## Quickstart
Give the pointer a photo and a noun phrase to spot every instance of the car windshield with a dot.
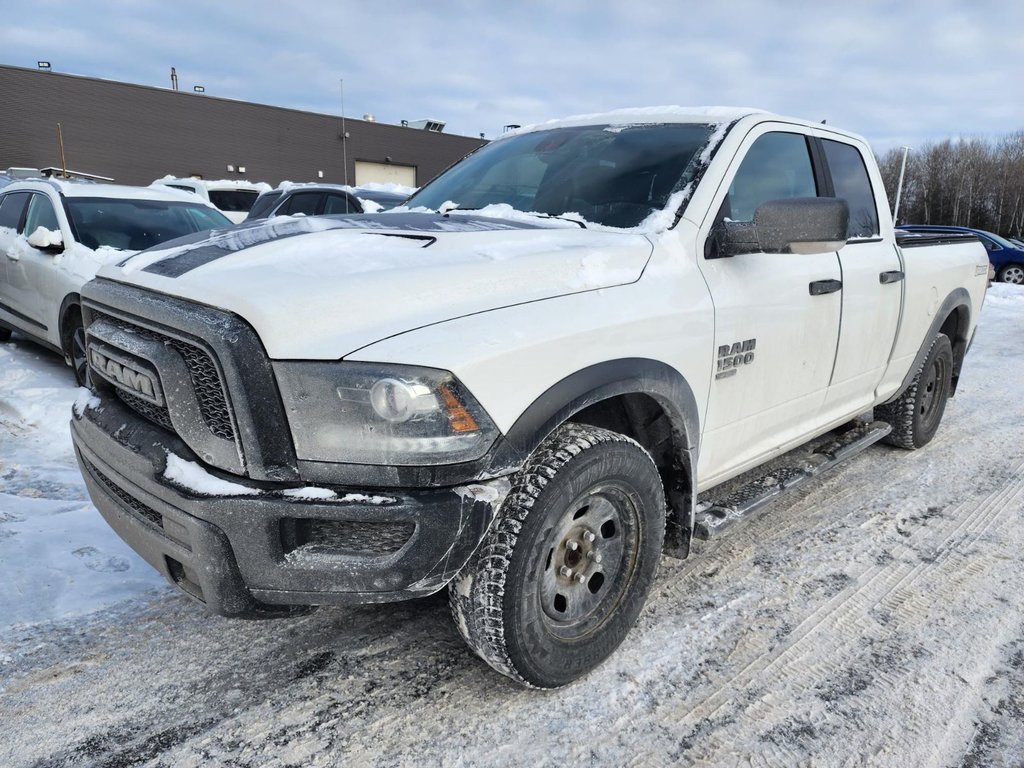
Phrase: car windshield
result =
(233, 199)
(611, 175)
(263, 204)
(135, 225)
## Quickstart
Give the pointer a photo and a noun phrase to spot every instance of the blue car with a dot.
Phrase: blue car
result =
(1007, 258)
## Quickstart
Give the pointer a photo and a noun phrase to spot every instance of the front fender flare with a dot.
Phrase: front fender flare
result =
(602, 381)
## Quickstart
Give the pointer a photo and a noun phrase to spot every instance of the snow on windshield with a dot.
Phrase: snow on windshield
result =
(610, 175)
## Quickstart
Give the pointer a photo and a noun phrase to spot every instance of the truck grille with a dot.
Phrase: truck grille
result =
(206, 382)
(155, 413)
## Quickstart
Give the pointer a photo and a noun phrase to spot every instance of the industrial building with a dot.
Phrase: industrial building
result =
(135, 134)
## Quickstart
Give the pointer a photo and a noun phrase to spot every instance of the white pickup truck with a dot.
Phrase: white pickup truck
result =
(566, 356)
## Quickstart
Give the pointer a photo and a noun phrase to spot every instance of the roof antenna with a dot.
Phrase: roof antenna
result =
(344, 133)
(63, 163)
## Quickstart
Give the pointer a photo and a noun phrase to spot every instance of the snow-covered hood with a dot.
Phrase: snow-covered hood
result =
(321, 288)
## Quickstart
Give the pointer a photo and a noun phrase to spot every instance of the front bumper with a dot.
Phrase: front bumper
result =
(254, 555)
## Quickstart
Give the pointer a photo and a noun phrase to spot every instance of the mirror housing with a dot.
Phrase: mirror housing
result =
(46, 240)
(793, 225)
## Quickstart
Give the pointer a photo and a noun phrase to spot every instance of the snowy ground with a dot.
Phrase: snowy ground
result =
(874, 618)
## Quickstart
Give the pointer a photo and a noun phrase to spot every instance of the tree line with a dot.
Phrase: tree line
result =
(974, 182)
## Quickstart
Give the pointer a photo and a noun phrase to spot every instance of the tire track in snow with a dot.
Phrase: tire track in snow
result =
(894, 587)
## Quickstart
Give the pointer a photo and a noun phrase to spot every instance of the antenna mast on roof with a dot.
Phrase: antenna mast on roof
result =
(344, 133)
(174, 79)
(60, 142)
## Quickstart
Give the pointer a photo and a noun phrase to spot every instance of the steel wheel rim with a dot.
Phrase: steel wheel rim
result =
(933, 386)
(589, 561)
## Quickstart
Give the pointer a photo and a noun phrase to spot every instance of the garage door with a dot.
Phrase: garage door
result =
(385, 172)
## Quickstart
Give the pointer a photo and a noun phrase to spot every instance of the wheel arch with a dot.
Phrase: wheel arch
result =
(953, 318)
(71, 301)
(645, 399)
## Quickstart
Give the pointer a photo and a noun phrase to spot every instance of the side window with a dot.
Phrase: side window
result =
(40, 214)
(990, 245)
(302, 202)
(777, 166)
(340, 204)
(851, 182)
(11, 208)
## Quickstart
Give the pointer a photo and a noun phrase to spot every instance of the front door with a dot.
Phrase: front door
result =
(775, 338)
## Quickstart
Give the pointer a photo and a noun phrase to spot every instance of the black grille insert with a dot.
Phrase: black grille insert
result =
(305, 537)
(147, 513)
(206, 383)
(155, 413)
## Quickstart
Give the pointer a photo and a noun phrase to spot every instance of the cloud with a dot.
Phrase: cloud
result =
(894, 72)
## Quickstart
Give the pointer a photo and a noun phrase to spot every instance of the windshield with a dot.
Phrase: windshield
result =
(233, 199)
(611, 175)
(135, 225)
(263, 204)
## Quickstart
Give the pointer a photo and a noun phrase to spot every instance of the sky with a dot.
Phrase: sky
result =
(898, 73)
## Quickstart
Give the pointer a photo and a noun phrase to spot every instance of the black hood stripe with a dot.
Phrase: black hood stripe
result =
(196, 251)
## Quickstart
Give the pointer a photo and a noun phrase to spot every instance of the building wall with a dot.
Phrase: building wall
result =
(136, 134)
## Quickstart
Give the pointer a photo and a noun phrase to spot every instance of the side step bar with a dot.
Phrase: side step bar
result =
(715, 516)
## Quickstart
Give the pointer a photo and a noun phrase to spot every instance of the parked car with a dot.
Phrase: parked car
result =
(321, 199)
(55, 235)
(232, 198)
(520, 401)
(306, 199)
(1006, 257)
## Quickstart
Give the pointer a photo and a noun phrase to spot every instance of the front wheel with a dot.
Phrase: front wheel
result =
(74, 347)
(1012, 273)
(564, 570)
(915, 415)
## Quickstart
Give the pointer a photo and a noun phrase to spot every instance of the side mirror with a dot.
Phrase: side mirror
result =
(46, 240)
(793, 225)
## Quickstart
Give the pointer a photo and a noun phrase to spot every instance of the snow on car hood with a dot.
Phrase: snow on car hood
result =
(321, 288)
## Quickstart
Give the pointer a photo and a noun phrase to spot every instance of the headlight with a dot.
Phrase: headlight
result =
(366, 413)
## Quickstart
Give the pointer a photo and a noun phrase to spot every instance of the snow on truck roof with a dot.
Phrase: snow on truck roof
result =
(671, 114)
(646, 115)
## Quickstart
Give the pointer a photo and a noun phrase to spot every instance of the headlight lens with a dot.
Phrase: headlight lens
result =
(365, 413)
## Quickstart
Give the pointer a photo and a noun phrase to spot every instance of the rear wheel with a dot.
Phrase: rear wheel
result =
(1012, 273)
(564, 570)
(915, 415)
(5, 333)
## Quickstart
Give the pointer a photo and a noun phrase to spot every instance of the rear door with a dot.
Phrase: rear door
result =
(775, 337)
(872, 275)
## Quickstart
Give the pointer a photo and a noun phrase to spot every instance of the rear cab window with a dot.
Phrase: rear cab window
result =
(850, 182)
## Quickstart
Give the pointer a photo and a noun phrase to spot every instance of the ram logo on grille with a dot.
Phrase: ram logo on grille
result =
(126, 374)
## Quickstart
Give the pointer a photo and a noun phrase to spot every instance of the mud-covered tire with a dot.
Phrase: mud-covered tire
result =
(915, 415)
(1011, 273)
(588, 501)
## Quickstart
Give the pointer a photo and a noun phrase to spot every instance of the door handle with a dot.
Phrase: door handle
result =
(821, 287)
(890, 277)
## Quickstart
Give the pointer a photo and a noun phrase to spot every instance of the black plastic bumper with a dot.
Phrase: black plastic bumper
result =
(240, 555)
